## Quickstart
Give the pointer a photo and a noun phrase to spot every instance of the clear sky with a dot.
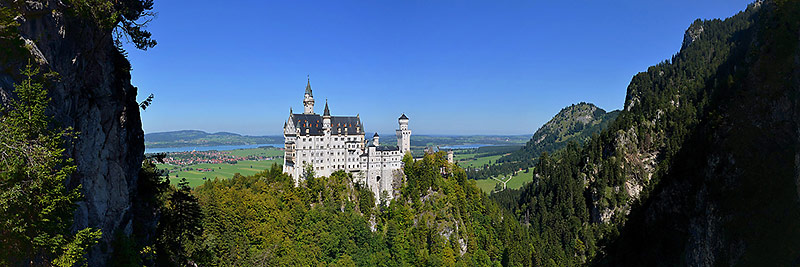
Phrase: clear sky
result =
(454, 67)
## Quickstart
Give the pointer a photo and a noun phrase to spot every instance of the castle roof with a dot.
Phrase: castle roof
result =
(308, 87)
(339, 124)
(403, 117)
(327, 111)
(376, 134)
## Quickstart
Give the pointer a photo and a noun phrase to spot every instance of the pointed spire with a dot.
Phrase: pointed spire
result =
(327, 111)
(308, 86)
(290, 111)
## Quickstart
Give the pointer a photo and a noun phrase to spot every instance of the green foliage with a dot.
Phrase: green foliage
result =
(35, 204)
(13, 46)
(72, 252)
(265, 220)
(127, 19)
(578, 203)
(576, 123)
(179, 227)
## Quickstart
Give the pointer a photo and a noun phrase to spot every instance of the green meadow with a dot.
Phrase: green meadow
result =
(250, 167)
(224, 170)
(474, 160)
(515, 182)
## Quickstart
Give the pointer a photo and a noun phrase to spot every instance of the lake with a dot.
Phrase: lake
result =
(465, 146)
(204, 148)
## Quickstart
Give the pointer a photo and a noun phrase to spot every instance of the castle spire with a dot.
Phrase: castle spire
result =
(327, 111)
(308, 86)
(308, 100)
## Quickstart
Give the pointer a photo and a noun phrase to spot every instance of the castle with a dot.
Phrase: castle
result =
(329, 143)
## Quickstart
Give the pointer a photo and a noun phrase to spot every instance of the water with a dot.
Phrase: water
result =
(465, 146)
(204, 148)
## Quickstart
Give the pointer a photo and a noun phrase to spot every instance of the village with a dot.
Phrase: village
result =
(183, 159)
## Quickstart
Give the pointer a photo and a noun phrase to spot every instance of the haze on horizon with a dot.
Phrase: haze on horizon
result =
(454, 67)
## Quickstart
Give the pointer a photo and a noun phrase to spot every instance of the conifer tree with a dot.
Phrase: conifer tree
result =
(36, 206)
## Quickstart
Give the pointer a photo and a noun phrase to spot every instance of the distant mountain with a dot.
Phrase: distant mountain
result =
(575, 123)
(201, 138)
(701, 167)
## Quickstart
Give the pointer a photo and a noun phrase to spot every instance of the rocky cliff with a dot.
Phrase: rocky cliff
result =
(701, 168)
(730, 194)
(93, 95)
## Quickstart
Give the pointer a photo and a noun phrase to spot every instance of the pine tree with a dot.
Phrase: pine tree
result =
(179, 227)
(35, 204)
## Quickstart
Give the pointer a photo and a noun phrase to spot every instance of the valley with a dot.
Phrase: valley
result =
(699, 165)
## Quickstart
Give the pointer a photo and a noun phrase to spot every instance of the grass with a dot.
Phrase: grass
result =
(520, 179)
(487, 185)
(516, 182)
(224, 170)
(478, 162)
(268, 152)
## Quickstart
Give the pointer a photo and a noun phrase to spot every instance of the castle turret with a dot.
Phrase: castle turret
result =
(308, 100)
(376, 140)
(403, 135)
(326, 118)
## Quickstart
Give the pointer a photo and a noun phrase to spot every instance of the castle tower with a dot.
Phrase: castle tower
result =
(376, 140)
(403, 135)
(308, 100)
(326, 118)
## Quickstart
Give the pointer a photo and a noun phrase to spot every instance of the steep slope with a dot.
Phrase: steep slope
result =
(93, 95)
(699, 169)
(731, 195)
(439, 218)
(575, 123)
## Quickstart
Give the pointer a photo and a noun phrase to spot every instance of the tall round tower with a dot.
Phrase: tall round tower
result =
(403, 135)
(308, 100)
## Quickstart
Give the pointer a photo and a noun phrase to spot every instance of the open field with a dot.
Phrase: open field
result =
(520, 179)
(478, 162)
(268, 152)
(224, 170)
(516, 182)
(487, 185)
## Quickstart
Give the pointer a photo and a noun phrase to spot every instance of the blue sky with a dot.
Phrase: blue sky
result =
(454, 67)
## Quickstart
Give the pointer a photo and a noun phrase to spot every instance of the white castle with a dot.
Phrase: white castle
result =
(329, 143)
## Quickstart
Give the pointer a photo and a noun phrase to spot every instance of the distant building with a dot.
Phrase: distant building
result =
(329, 143)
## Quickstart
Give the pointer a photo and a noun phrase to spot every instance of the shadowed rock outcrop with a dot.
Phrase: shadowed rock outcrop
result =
(92, 94)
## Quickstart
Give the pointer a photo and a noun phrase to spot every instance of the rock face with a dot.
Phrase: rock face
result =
(730, 195)
(94, 96)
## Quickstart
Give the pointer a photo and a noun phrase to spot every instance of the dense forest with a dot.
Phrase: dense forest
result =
(439, 218)
(575, 123)
(700, 158)
(700, 168)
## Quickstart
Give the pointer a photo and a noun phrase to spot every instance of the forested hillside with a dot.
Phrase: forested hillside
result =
(699, 169)
(575, 123)
(439, 218)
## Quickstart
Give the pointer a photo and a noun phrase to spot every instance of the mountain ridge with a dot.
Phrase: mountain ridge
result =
(699, 169)
(583, 120)
(573, 123)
